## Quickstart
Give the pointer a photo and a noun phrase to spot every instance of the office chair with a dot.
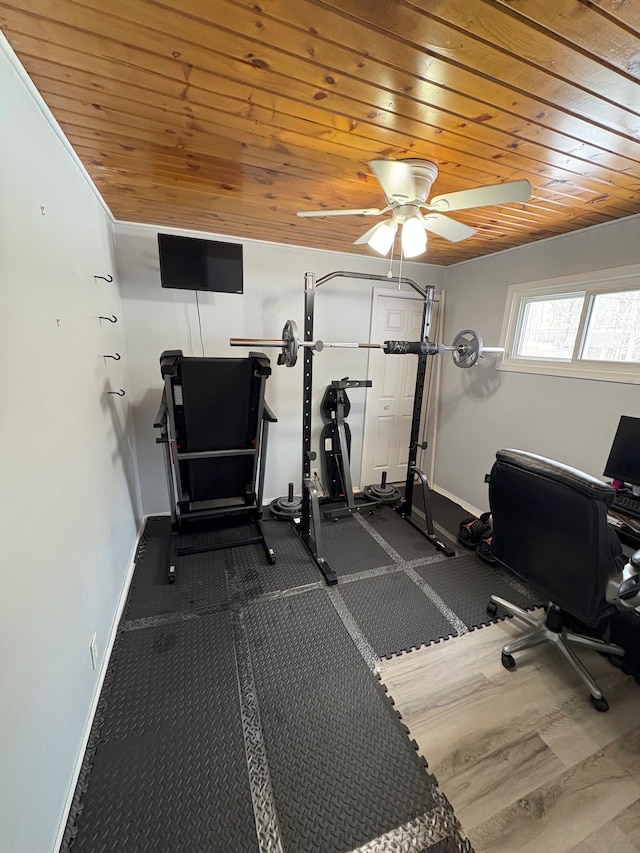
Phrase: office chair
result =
(213, 423)
(550, 528)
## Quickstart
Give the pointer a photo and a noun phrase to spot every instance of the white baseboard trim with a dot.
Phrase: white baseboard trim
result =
(98, 688)
(472, 510)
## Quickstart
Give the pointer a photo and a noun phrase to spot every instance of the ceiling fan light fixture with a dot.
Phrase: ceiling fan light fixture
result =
(414, 237)
(382, 238)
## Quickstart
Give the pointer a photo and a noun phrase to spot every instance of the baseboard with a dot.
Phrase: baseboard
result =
(98, 688)
(472, 510)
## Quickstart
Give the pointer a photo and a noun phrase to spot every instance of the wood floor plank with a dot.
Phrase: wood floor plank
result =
(506, 774)
(608, 839)
(580, 733)
(629, 822)
(557, 815)
(526, 761)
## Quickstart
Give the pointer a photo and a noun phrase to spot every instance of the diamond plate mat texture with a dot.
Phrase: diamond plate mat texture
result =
(357, 764)
(409, 616)
(404, 538)
(240, 710)
(168, 771)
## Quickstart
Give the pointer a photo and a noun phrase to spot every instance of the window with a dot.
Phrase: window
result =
(587, 326)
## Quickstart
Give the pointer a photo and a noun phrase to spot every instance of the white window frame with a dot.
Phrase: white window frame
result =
(600, 281)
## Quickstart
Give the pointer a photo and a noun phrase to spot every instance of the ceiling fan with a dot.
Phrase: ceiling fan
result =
(406, 185)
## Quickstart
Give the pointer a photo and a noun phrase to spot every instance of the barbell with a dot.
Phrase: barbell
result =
(467, 347)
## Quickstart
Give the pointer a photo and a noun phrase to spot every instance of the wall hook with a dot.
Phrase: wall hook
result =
(115, 357)
(111, 319)
(104, 277)
(119, 393)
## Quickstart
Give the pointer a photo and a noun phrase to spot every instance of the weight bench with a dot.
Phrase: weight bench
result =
(213, 422)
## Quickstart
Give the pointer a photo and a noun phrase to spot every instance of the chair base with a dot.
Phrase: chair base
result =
(541, 633)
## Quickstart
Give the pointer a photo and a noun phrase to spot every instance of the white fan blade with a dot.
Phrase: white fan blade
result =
(364, 238)
(505, 193)
(362, 211)
(445, 227)
(396, 179)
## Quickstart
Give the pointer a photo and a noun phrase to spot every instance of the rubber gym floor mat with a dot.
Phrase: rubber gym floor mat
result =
(226, 531)
(293, 567)
(350, 549)
(167, 756)
(466, 583)
(343, 770)
(394, 614)
(200, 581)
(447, 513)
(403, 537)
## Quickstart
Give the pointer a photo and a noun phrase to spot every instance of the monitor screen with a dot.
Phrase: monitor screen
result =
(624, 458)
(189, 263)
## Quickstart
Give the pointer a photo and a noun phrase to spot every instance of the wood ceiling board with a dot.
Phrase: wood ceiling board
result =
(225, 115)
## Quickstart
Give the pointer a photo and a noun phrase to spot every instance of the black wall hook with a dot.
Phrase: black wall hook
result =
(111, 319)
(119, 393)
(104, 277)
(115, 357)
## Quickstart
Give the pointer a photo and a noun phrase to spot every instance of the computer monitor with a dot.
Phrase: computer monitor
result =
(624, 457)
(190, 263)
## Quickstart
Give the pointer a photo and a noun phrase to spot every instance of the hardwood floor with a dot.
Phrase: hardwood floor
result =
(526, 761)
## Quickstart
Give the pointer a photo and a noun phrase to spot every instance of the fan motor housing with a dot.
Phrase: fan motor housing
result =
(424, 174)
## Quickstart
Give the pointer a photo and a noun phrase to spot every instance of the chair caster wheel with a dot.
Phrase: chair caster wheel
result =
(508, 661)
(599, 704)
(492, 608)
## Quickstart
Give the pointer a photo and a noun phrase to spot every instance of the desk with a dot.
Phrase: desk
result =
(625, 625)
(629, 538)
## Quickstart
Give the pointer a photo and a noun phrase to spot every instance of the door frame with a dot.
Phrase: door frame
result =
(430, 405)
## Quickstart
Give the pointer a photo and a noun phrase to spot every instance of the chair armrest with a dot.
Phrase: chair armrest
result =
(268, 415)
(623, 588)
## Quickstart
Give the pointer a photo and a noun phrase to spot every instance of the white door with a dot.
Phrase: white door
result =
(389, 406)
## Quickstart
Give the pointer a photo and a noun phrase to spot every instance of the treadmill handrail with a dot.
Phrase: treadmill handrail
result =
(268, 414)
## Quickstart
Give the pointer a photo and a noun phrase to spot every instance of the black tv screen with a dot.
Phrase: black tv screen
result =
(624, 458)
(189, 263)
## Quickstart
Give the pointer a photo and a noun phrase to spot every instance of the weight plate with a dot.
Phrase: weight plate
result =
(467, 348)
(383, 494)
(290, 343)
(285, 509)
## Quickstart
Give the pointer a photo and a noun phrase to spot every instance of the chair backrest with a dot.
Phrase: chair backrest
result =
(550, 528)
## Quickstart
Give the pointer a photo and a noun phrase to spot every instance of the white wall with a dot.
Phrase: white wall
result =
(483, 409)
(69, 481)
(160, 319)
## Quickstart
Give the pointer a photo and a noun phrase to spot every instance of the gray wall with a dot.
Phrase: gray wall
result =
(483, 409)
(69, 479)
(159, 319)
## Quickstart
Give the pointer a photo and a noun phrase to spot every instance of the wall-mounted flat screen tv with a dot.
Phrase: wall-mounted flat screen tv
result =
(189, 263)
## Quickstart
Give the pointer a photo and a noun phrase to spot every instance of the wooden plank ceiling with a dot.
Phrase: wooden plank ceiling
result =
(228, 117)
